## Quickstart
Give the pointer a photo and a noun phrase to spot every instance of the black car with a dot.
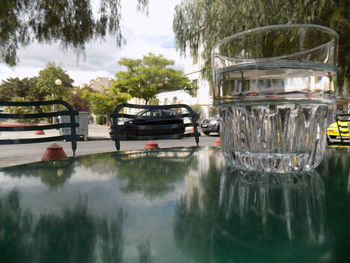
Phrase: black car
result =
(164, 122)
(211, 125)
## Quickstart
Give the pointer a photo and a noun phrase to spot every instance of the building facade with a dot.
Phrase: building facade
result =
(100, 83)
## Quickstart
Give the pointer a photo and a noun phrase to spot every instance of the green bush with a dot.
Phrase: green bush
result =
(197, 109)
(100, 119)
(26, 110)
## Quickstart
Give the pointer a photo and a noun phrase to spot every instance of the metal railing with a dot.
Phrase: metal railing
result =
(154, 129)
(33, 127)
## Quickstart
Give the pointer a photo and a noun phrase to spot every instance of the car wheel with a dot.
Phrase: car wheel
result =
(206, 133)
(332, 136)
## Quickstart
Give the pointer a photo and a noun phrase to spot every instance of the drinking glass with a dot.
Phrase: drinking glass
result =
(275, 89)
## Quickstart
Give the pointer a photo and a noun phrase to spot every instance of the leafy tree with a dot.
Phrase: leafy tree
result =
(145, 78)
(76, 100)
(199, 24)
(197, 109)
(26, 110)
(46, 85)
(103, 103)
(69, 22)
(38, 88)
(15, 87)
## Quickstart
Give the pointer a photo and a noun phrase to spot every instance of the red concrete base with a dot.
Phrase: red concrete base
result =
(54, 151)
(151, 145)
(39, 132)
(217, 142)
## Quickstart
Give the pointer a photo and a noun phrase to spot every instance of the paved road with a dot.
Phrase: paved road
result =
(98, 142)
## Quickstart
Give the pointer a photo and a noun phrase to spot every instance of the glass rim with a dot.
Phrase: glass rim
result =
(327, 30)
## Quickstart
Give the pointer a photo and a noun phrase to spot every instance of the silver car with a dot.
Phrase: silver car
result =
(211, 125)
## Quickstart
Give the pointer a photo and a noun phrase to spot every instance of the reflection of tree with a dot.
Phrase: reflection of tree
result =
(279, 214)
(149, 172)
(72, 235)
(102, 163)
(14, 228)
(336, 171)
(249, 218)
(54, 173)
(152, 173)
(292, 41)
(193, 226)
(336, 162)
(144, 250)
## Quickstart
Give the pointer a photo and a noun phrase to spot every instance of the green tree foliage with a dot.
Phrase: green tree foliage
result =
(199, 24)
(145, 78)
(15, 87)
(70, 22)
(36, 89)
(103, 103)
(47, 86)
(27, 110)
(76, 100)
(197, 109)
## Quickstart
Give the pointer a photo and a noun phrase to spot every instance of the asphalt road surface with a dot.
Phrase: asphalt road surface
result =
(26, 153)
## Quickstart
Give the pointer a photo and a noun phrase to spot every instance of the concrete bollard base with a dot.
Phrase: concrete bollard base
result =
(151, 145)
(39, 132)
(217, 142)
(54, 151)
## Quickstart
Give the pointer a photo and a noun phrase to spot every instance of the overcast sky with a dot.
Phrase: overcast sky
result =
(142, 34)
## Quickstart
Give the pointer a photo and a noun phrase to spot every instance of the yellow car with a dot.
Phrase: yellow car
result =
(333, 131)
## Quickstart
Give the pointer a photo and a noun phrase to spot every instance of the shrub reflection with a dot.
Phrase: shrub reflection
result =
(54, 173)
(73, 235)
(153, 173)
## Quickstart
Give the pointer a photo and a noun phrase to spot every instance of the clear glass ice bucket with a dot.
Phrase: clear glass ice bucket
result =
(275, 89)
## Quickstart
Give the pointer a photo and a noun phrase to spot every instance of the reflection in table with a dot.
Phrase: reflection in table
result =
(172, 205)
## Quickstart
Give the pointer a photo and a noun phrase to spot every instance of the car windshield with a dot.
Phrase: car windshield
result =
(157, 112)
(152, 112)
(344, 118)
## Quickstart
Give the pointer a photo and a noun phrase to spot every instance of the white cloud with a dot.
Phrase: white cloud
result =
(142, 34)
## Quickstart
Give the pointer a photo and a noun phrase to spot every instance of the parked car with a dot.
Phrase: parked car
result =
(155, 117)
(211, 125)
(333, 131)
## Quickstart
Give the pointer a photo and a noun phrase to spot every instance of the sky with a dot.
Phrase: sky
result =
(143, 34)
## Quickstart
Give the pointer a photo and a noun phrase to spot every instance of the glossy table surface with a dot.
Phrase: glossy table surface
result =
(173, 205)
